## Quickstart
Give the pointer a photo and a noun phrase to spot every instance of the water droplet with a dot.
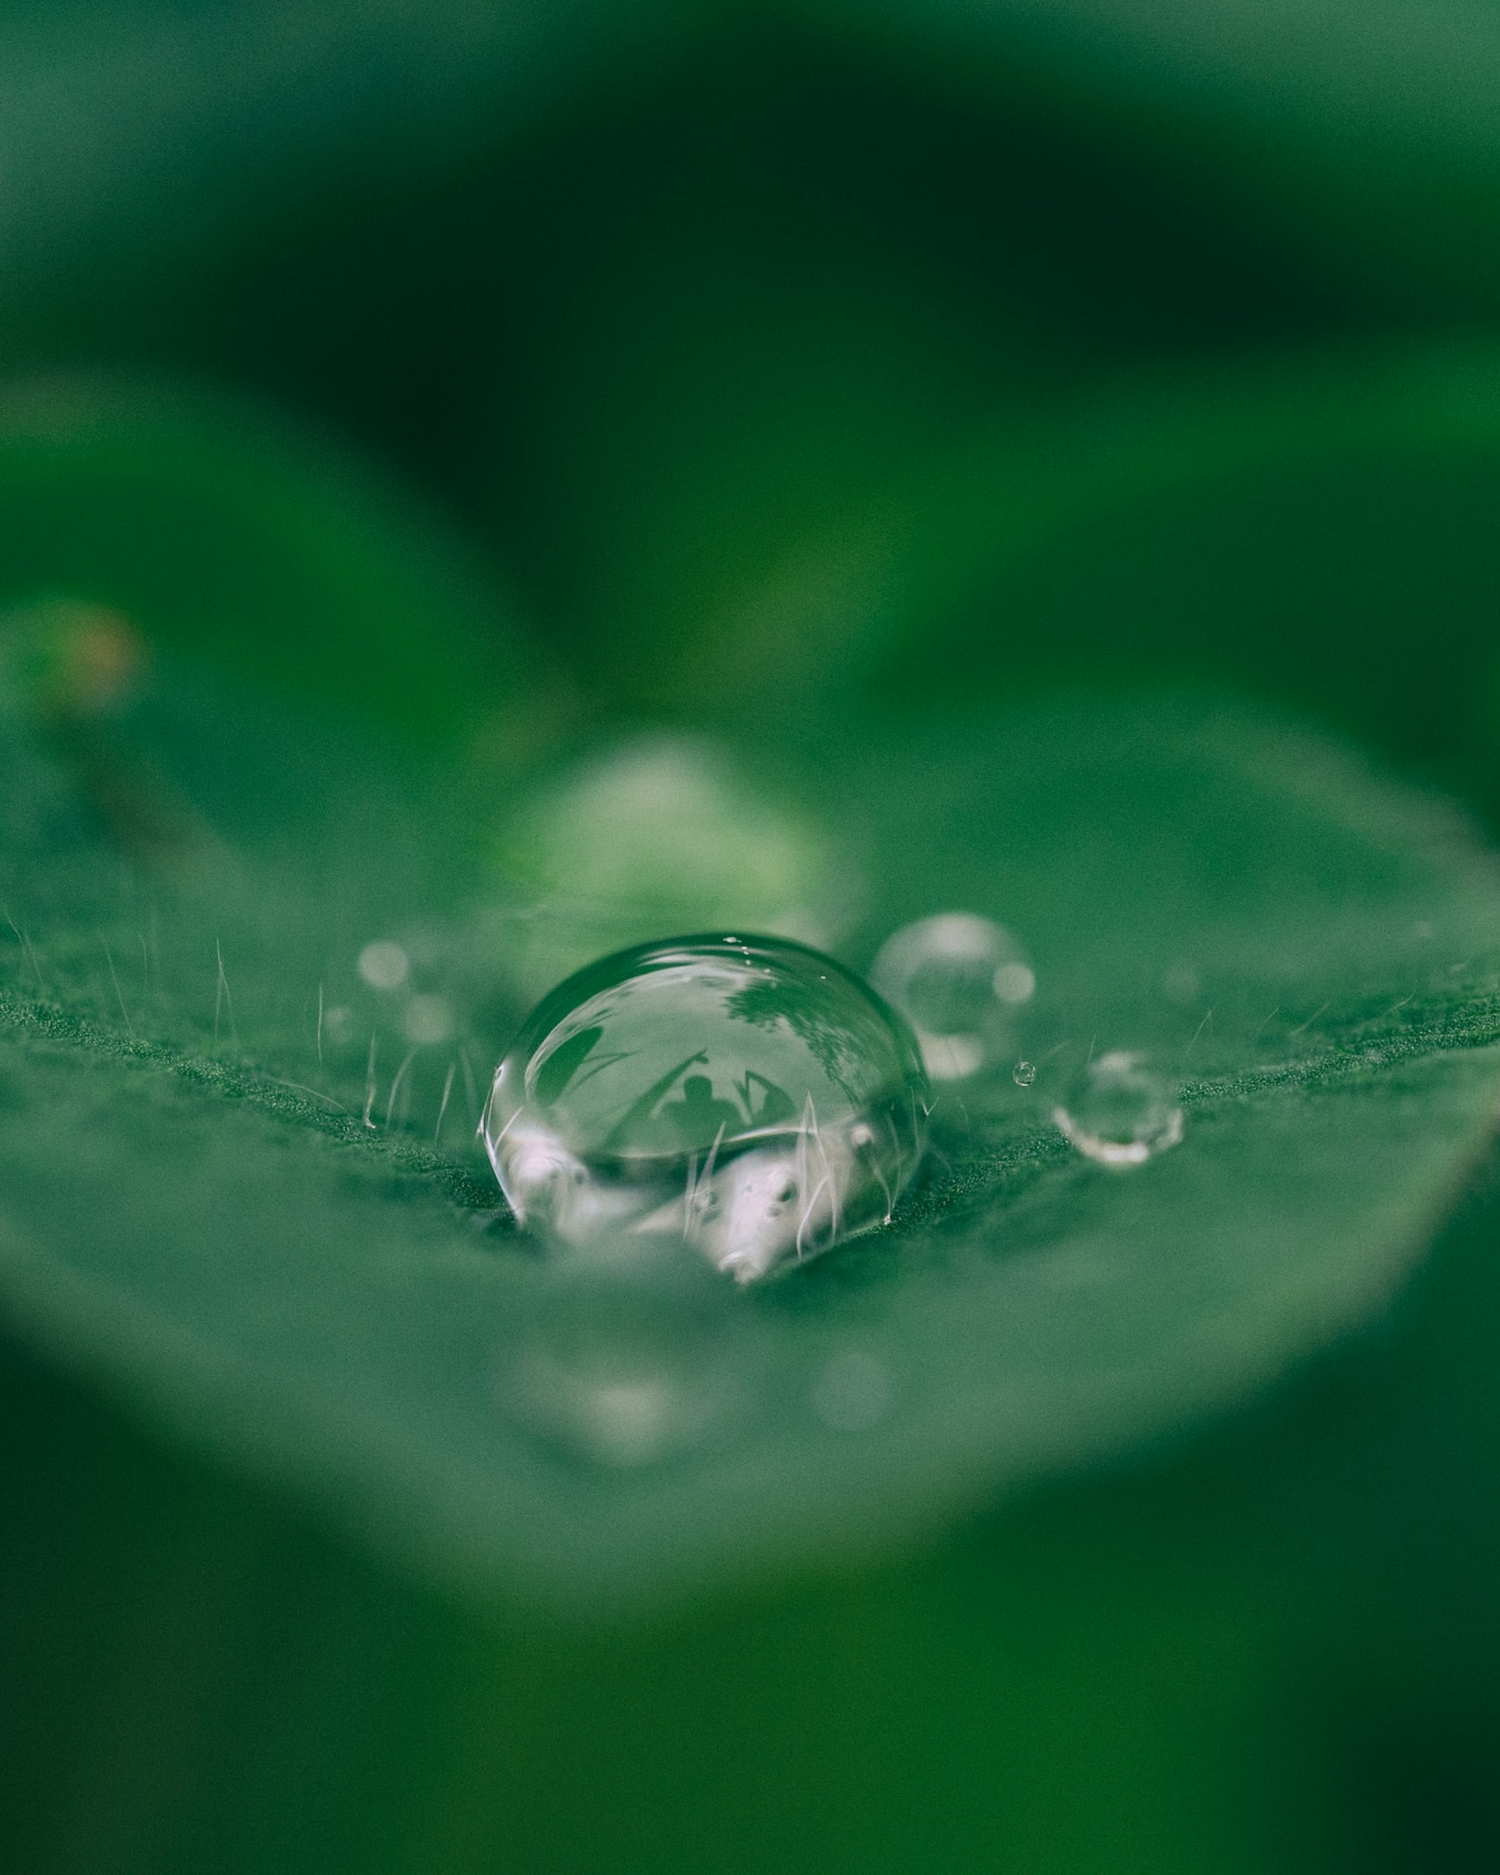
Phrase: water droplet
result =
(958, 980)
(383, 965)
(1015, 983)
(755, 1109)
(1023, 1073)
(1120, 1113)
(852, 1391)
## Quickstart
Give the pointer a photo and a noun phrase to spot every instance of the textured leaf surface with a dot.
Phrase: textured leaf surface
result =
(300, 1259)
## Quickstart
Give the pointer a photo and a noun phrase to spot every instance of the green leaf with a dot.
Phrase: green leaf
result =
(1366, 130)
(307, 1269)
(1318, 532)
(225, 533)
(147, 128)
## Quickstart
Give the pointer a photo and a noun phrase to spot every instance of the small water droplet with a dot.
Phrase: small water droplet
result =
(1120, 1113)
(1023, 1073)
(958, 979)
(383, 965)
(756, 1110)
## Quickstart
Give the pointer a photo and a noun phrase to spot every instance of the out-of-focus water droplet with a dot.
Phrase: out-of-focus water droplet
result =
(384, 965)
(958, 979)
(612, 1377)
(662, 833)
(1023, 1073)
(1120, 1112)
(745, 1098)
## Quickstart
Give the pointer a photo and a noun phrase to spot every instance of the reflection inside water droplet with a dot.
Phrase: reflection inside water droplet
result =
(1119, 1112)
(744, 1097)
(958, 979)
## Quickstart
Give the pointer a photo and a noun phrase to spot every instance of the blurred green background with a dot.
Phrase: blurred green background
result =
(746, 367)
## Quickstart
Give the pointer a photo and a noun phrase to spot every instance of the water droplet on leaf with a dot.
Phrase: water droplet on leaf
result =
(958, 979)
(1120, 1112)
(755, 1106)
(383, 965)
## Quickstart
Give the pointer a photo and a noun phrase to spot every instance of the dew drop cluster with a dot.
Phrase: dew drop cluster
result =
(751, 1102)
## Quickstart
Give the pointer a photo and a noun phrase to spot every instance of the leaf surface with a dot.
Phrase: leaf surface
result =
(272, 1227)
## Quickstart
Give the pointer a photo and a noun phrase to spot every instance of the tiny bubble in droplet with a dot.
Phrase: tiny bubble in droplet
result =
(383, 965)
(1120, 1112)
(1023, 1073)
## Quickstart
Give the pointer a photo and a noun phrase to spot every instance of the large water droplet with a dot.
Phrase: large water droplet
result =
(1120, 1112)
(744, 1096)
(958, 979)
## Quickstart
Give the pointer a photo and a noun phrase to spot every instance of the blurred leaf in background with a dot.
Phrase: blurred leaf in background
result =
(480, 485)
